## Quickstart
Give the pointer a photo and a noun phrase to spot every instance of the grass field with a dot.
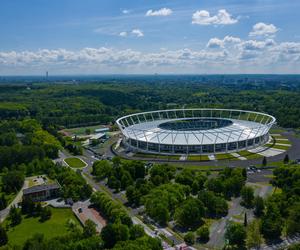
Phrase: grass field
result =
(75, 162)
(197, 158)
(155, 156)
(225, 157)
(249, 155)
(81, 130)
(56, 226)
(281, 147)
(283, 142)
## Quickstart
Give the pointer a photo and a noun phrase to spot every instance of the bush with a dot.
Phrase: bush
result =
(203, 233)
(189, 238)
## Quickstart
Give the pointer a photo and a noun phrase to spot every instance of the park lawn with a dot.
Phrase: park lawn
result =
(75, 162)
(197, 158)
(225, 157)
(55, 226)
(155, 156)
(249, 155)
(281, 147)
(81, 130)
(283, 142)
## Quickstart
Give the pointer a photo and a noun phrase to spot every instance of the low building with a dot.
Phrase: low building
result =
(42, 192)
(101, 130)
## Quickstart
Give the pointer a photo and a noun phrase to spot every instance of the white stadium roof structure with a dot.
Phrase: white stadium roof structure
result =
(195, 131)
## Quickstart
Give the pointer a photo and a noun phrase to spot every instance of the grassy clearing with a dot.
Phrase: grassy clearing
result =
(249, 155)
(56, 226)
(276, 130)
(225, 157)
(281, 147)
(283, 142)
(197, 158)
(82, 130)
(154, 156)
(75, 162)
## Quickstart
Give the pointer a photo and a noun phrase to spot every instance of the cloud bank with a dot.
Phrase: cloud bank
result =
(226, 55)
(203, 17)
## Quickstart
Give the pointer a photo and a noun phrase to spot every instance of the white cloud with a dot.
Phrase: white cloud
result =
(233, 55)
(123, 33)
(220, 43)
(137, 32)
(203, 17)
(160, 12)
(125, 11)
(215, 43)
(263, 29)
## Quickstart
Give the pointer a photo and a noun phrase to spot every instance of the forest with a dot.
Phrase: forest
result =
(71, 104)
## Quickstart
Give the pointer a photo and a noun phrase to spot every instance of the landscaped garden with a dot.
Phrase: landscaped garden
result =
(75, 162)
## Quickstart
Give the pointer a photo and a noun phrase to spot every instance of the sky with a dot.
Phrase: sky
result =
(85, 37)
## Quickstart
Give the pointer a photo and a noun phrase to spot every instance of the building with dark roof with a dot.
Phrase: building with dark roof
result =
(42, 192)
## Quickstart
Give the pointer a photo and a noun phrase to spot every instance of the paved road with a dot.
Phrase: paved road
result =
(4, 213)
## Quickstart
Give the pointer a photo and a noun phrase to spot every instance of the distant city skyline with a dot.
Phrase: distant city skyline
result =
(149, 36)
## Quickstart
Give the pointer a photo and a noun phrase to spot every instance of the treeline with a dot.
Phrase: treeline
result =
(82, 104)
(23, 141)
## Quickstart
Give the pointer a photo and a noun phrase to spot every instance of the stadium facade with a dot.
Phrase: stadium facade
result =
(195, 131)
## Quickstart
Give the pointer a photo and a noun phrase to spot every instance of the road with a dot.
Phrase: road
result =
(89, 158)
(4, 213)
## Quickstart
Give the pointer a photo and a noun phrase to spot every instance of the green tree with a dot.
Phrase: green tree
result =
(286, 159)
(247, 194)
(245, 220)
(203, 233)
(236, 235)
(189, 238)
(254, 238)
(45, 213)
(271, 226)
(264, 161)
(3, 201)
(189, 213)
(259, 206)
(136, 231)
(89, 229)
(3, 236)
(293, 225)
(15, 216)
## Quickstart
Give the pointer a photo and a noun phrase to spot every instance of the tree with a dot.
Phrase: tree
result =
(264, 161)
(136, 231)
(88, 131)
(254, 239)
(203, 233)
(247, 196)
(245, 220)
(45, 213)
(3, 201)
(271, 226)
(89, 229)
(15, 216)
(102, 169)
(189, 238)
(286, 159)
(189, 213)
(259, 206)
(236, 235)
(3, 236)
(293, 225)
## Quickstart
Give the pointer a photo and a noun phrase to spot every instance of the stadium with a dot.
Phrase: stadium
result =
(195, 131)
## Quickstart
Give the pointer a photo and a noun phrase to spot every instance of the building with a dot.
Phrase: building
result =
(42, 192)
(195, 131)
(101, 130)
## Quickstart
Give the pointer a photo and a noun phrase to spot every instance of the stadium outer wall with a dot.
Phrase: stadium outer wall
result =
(153, 132)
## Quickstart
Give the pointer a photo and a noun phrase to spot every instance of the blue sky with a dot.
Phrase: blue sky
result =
(149, 36)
